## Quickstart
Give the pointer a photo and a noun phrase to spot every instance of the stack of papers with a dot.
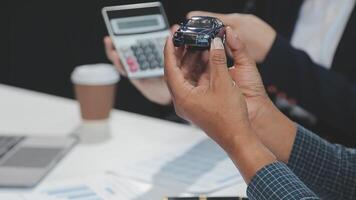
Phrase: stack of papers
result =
(200, 169)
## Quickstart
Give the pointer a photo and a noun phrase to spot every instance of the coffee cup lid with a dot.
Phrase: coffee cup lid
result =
(95, 74)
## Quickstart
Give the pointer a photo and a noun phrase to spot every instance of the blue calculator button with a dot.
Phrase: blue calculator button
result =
(141, 58)
(144, 66)
(154, 64)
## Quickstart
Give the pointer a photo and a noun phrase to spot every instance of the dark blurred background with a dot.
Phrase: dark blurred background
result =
(43, 40)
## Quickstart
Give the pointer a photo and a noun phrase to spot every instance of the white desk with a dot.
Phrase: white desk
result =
(133, 136)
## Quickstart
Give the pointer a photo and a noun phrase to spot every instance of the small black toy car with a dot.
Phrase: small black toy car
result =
(198, 32)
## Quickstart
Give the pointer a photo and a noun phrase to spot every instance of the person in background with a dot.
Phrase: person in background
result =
(232, 107)
(306, 60)
(310, 37)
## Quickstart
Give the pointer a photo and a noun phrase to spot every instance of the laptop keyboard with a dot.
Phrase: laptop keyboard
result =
(7, 143)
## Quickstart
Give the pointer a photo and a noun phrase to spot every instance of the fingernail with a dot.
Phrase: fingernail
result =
(217, 44)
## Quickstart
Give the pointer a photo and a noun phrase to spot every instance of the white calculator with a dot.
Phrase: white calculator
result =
(139, 33)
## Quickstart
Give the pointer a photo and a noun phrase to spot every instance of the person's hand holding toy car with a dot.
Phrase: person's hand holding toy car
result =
(221, 101)
(254, 32)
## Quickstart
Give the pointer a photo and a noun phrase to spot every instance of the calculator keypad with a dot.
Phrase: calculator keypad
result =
(145, 55)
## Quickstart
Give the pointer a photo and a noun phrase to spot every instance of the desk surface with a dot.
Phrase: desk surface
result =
(133, 136)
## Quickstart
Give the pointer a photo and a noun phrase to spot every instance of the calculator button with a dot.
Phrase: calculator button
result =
(144, 66)
(148, 51)
(155, 52)
(141, 58)
(154, 64)
(137, 50)
(143, 44)
(151, 57)
(152, 45)
(133, 66)
(140, 51)
(134, 48)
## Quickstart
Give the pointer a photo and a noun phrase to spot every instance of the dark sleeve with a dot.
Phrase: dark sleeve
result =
(276, 181)
(326, 94)
(329, 170)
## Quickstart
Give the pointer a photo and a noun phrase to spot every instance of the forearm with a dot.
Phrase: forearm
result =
(327, 169)
(275, 130)
(267, 178)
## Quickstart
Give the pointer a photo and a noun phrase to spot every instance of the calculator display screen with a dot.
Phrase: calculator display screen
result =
(137, 20)
(134, 24)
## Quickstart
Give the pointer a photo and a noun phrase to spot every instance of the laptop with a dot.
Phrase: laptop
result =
(24, 161)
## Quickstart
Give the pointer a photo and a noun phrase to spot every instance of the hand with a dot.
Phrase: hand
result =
(154, 89)
(210, 98)
(254, 32)
(268, 122)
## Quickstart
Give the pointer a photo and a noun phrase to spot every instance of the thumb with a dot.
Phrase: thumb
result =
(238, 49)
(244, 72)
(219, 74)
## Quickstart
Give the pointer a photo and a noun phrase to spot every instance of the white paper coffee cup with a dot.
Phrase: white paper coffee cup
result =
(95, 89)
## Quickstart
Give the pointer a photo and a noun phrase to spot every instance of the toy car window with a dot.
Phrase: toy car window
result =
(200, 23)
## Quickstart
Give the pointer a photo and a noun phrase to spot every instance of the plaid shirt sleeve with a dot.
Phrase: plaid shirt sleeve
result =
(328, 169)
(276, 181)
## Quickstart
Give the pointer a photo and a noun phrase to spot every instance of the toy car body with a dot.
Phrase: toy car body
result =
(198, 32)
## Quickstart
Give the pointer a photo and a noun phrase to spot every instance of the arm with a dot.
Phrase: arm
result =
(329, 170)
(209, 98)
(328, 95)
(277, 181)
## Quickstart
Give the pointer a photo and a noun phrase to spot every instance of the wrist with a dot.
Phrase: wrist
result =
(250, 155)
(238, 136)
(259, 117)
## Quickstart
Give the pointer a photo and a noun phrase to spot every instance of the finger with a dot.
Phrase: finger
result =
(120, 68)
(219, 74)
(113, 55)
(109, 46)
(172, 73)
(174, 28)
(237, 48)
(180, 52)
(244, 72)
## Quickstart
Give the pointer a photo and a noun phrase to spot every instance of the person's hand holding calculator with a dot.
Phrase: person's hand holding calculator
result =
(154, 88)
(137, 36)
